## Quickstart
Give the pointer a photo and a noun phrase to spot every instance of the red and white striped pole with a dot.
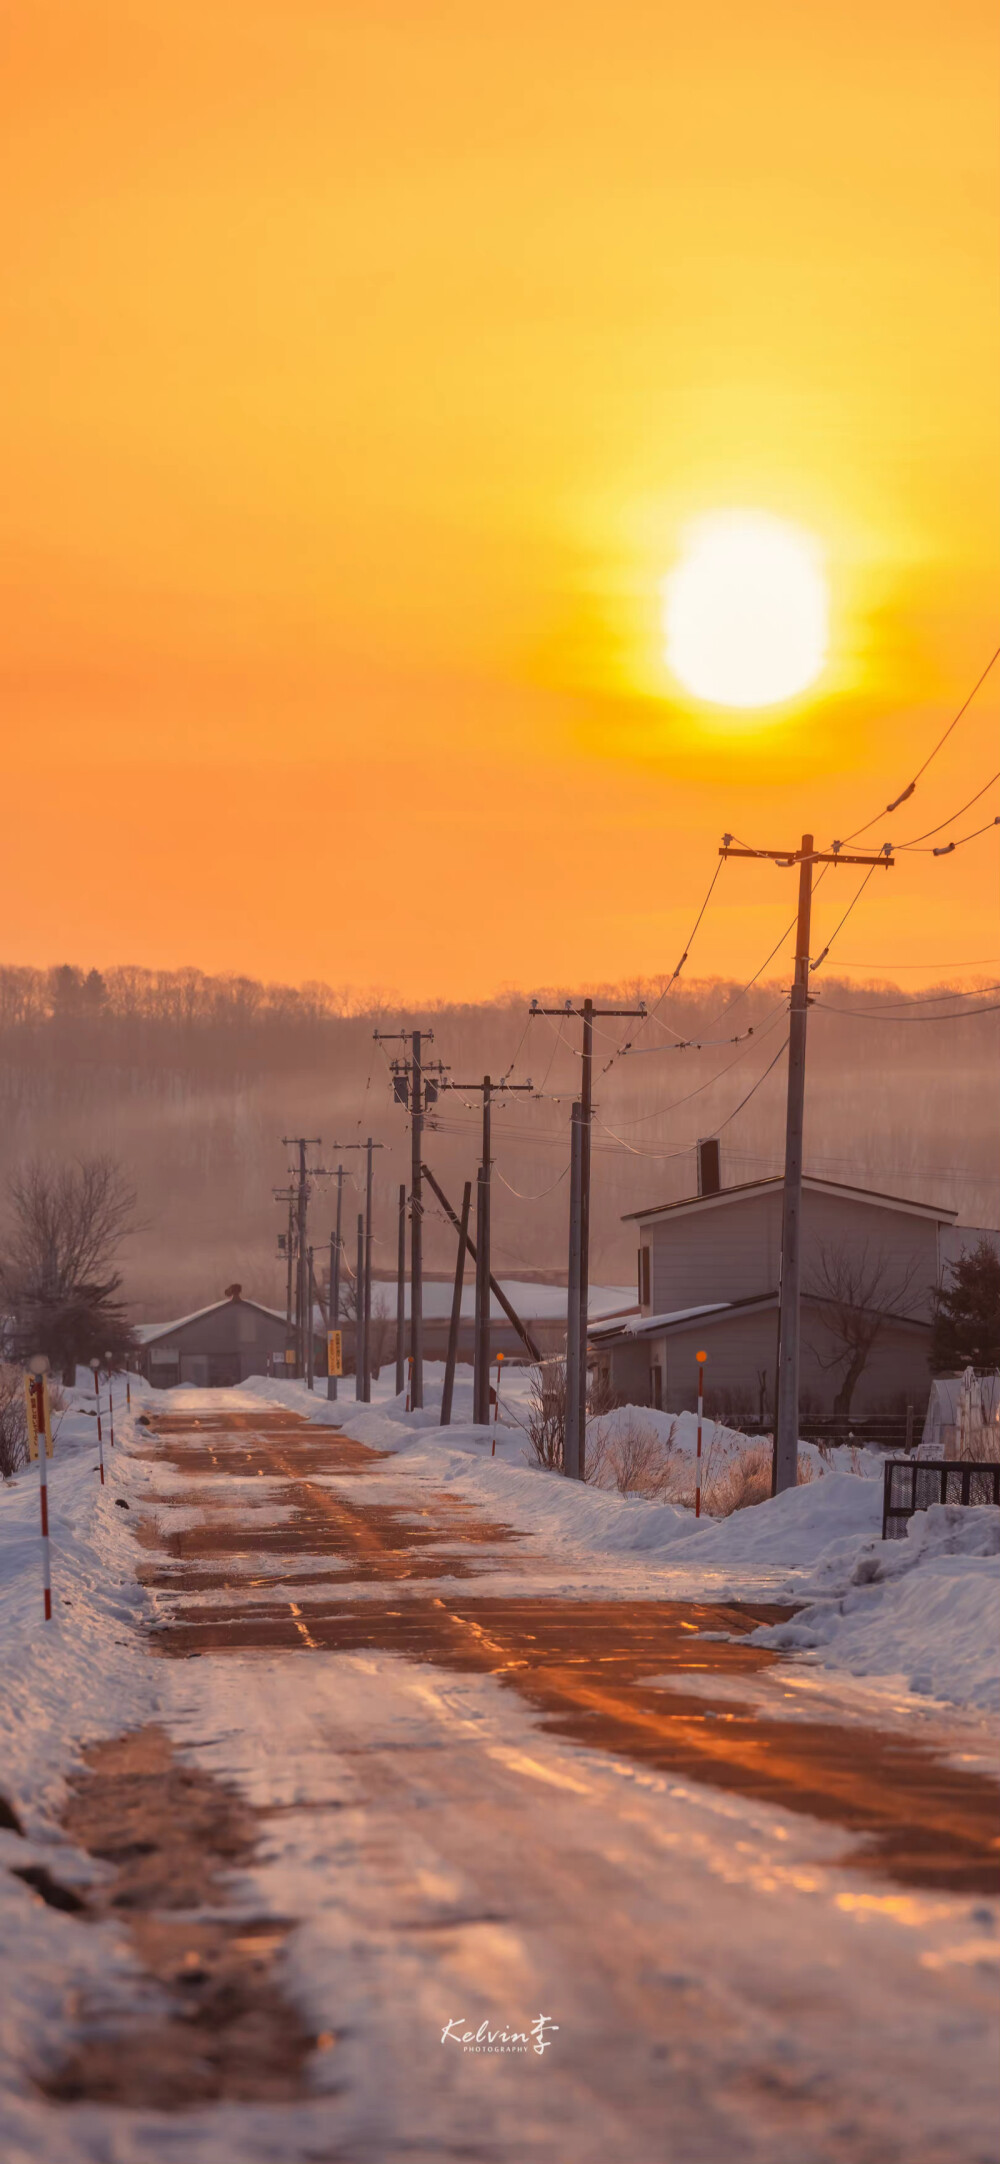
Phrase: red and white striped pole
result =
(701, 1359)
(38, 1424)
(95, 1368)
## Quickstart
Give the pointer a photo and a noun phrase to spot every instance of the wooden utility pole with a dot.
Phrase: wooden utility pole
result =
(484, 1191)
(785, 1470)
(579, 1239)
(335, 1251)
(362, 1353)
(499, 1295)
(401, 1295)
(454, 1326)
(303, 1320)
(571, 1438)
(359, 1313)
(412, 1086)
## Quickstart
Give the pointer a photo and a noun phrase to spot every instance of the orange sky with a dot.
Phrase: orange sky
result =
(362, 364)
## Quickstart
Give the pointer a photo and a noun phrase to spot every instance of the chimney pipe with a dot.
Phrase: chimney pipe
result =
(709, 1167)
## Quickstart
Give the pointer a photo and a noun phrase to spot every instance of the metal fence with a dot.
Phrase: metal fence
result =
(912, 1484)
(876, 1431)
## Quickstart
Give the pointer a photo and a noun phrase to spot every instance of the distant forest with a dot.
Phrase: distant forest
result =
(191, 1081)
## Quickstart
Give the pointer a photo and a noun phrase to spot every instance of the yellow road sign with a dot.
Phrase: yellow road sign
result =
(36, 1398)
(334, 1352)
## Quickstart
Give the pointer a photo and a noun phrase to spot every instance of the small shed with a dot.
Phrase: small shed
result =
(216, 1346)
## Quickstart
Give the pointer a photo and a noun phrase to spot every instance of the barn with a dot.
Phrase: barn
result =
(218, 1345)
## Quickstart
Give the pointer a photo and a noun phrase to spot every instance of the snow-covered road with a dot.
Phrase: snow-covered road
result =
(721, 1975)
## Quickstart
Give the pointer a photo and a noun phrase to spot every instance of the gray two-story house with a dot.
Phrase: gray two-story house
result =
(709, 1269)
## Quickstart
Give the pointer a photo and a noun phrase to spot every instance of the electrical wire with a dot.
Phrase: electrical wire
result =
(918, 838)
(921, 770)
(851, 905)
(540, 1197)
(923, 999)
(622, 1048)
(661, 1110)
(947, 848)
(666, 1154)
(865, 1014)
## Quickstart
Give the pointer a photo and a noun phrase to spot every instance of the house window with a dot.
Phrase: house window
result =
(656, 1387)
(644, 1276)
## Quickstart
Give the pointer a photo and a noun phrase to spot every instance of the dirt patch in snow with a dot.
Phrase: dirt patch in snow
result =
(211, 2020)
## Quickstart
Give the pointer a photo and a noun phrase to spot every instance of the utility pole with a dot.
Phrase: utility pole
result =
(303, 1305)
(291, 1256)
(401, 1294)
(448, 1391)
(411, 1086)
(571, 1439)
(785, 1470)
(576, 1332)
(481, 1365)
(364, 1288)
(359, 1312)
(310, 1332)
(335, 1249)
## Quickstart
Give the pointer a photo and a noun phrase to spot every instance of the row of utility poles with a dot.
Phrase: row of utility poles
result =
(417, 1083)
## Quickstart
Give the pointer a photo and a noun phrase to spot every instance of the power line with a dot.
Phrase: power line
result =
(623, 1048)
(920, 999)
(540, 1197)
(918, 838)
(660, 1111)
(921, 770)
(664, 1154)
(851, 905)
(871, 1014)
(947, 848)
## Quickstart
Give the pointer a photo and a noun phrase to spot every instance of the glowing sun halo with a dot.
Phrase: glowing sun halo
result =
(745, 610)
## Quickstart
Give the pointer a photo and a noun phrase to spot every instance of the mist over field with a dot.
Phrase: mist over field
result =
(191, 1081)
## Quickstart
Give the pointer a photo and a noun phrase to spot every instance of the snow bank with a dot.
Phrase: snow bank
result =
(924, 1611)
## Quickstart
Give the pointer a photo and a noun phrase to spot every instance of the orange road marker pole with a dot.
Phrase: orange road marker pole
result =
(39, 1436)
(701, 1359)
(496, 1404)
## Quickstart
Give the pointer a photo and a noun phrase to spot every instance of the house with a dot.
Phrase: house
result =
(709, 1268)
(218, 1345)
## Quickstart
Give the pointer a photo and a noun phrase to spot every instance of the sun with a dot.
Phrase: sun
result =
(745, 610)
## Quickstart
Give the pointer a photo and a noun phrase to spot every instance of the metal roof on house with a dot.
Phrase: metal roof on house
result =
(656, 1325)
(148, 1332)
(937, 1211)
(609, 1333)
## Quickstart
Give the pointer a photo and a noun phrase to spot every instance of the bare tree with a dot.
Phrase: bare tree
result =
(858, 1288)
(57, 1277)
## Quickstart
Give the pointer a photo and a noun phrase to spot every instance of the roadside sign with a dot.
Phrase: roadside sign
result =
(289, 1359)
(334, 1352)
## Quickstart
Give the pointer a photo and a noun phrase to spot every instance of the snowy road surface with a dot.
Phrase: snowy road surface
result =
(486, 1783)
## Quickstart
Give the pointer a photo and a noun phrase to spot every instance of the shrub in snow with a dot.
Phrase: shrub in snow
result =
(13, 1422)
(629, 1455)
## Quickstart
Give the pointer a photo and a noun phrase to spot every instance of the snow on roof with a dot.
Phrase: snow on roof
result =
(147, 1332)
(775, 1179)
(533, 1303)
(643, 1325)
